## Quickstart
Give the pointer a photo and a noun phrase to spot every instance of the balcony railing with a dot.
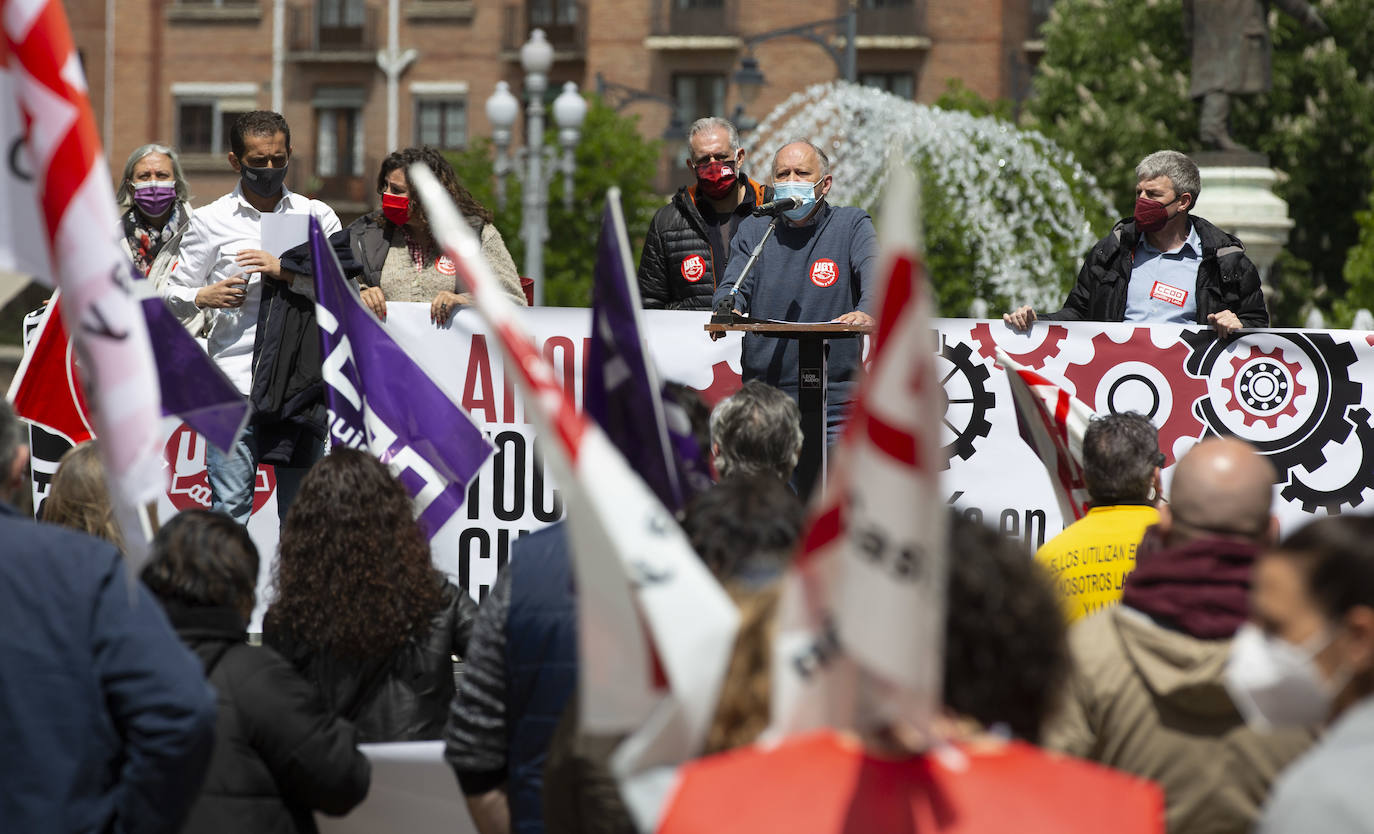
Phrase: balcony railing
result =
(564, 24)
(308, 36)
(888, 17)
(695, 18)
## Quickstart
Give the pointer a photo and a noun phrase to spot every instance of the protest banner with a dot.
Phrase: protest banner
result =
(1305, 398)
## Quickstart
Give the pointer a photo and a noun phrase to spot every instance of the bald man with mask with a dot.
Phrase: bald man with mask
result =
(1147, 693)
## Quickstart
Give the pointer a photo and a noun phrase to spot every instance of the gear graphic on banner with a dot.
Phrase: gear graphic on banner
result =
(1307, 433)
(1266, 388)
(1138, 375)
(1346, 495)
(1055, 334)
(967, 400)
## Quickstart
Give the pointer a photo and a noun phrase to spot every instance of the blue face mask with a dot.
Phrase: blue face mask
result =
(805, 191)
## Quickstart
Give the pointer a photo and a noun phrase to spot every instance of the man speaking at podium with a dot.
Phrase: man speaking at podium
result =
(817, 266)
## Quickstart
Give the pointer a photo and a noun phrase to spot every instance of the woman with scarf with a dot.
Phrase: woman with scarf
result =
(154, 200)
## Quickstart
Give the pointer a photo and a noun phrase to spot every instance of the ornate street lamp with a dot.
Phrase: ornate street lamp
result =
(534, 164)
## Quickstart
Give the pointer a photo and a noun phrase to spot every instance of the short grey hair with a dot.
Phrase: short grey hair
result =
(1180, 170)
(125, 194)
(820, 154)
(757, 431)
(712, 123)
(1120, 453)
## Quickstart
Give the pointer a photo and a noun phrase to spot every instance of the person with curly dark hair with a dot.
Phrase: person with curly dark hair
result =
(360, 609)
(393, 254)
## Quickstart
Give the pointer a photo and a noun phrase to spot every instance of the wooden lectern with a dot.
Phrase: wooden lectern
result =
(811, 383)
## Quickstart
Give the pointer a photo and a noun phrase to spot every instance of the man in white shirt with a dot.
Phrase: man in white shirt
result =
(221, 268)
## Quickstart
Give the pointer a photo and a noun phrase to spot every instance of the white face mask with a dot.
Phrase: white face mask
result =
(1275, 683)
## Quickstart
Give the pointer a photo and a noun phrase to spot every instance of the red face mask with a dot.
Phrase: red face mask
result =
(1151, 215)
(717, 178)
(396, 208)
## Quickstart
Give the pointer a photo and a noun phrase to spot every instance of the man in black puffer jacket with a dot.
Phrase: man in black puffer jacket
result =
(279, 754)
(1163, 266)
(689, 239)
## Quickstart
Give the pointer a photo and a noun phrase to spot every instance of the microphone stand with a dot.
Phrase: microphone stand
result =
(725, 310)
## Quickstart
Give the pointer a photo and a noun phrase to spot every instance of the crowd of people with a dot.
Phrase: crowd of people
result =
(1222, 674)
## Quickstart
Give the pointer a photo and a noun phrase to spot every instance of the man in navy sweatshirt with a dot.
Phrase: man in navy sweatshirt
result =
(818, 266)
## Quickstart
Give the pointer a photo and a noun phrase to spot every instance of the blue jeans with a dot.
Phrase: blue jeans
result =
(234, 476)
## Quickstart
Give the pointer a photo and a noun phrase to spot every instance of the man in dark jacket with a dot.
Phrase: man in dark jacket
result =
(279, 754)
(106, 722)
(1163, 264)
(688, 242)
(522, 668)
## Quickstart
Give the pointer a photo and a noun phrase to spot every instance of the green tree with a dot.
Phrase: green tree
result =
(1359, 270)
(611, 153)
(1112, 94)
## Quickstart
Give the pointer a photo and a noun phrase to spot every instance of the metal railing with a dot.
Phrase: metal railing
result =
(306, 33)
(695, 18)
(888, 17)
(564, 24)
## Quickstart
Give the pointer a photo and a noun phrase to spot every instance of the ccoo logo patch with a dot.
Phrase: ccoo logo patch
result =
(824, 272)
(693, 268)
(446, 266)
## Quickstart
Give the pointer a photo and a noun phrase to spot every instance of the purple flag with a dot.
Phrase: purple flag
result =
(193, 386)
(623, 393)
(381, 400)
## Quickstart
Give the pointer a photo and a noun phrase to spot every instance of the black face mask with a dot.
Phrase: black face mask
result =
(264, 182)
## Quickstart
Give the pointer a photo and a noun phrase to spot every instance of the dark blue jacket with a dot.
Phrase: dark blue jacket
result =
(106, 721)
(541, 665)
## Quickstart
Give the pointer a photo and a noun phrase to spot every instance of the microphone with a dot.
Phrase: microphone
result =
(776, 207)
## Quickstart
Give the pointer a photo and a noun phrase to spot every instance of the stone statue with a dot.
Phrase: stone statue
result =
(1231, 49)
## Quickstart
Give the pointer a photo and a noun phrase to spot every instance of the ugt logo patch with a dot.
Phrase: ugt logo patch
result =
(693, 268)
(824, 272)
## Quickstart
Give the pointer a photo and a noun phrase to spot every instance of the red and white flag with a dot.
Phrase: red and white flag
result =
(861, 625)
(655, 628)
(55, 144)
(1052, 423)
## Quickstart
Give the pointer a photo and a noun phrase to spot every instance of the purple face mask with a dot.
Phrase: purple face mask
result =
(154, 197)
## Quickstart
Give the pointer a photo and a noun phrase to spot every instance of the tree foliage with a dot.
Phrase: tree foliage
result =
(610, 153)
(1112, 94)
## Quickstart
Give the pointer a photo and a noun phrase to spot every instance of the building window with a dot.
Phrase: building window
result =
(442, 122)
(900, 84)
(339, 142)
(698, 95)
(205, 113)
(553, 12)
(341, 14)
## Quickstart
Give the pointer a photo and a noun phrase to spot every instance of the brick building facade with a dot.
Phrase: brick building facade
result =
(178, 71)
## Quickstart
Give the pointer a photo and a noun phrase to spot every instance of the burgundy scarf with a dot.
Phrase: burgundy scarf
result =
(1201, 588)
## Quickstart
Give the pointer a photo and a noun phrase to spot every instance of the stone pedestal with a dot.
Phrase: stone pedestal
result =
(1238, 196)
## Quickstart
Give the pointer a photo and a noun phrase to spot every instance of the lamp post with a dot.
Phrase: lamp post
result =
(749, 78)
(534, 163)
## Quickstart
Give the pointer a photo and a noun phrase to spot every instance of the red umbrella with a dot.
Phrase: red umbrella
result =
(825, 783)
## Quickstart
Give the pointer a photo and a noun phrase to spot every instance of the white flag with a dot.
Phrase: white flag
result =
(862, 619)
(76, 209)
(1053, 423)
(655, 628)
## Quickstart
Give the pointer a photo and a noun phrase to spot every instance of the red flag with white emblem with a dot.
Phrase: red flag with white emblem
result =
(862, 619)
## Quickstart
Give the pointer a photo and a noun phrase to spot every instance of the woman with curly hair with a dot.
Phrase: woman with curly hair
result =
(360, 609)
(392, 252)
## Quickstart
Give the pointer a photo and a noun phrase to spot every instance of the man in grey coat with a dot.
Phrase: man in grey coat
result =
(1231, 56)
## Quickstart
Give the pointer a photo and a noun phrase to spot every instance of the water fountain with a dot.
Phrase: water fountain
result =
(1008, 213)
